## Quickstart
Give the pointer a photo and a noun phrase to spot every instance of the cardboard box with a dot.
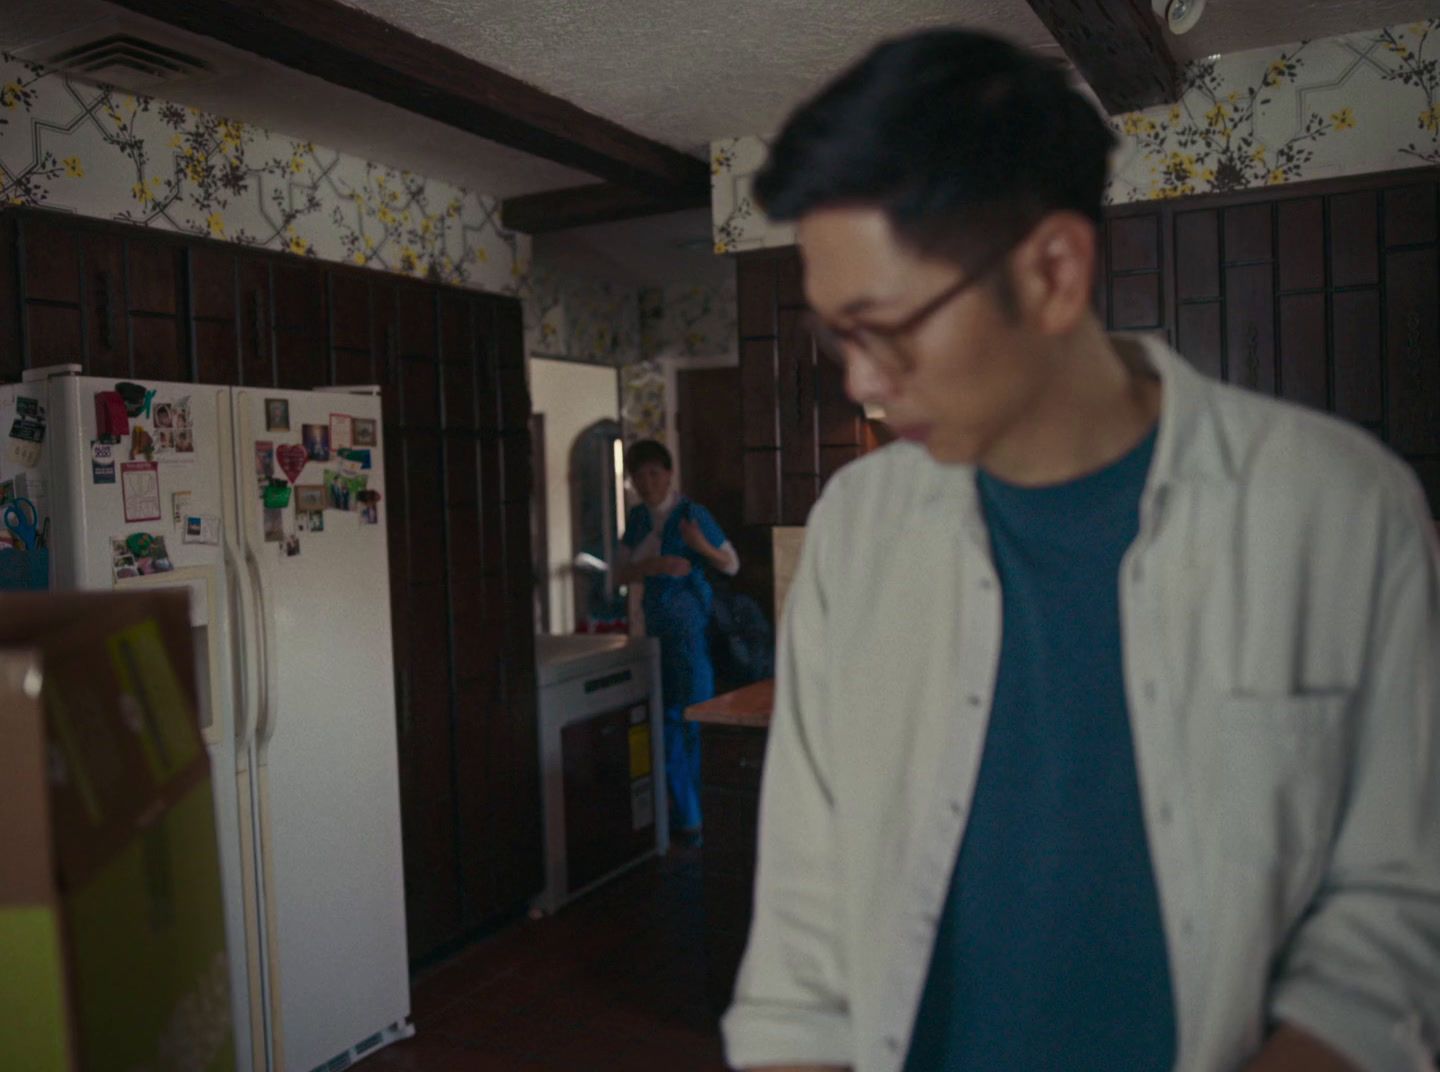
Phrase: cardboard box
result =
(110, 904)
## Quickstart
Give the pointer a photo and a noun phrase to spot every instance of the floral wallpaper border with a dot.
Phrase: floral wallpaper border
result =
(1343, 105)
(99, 152)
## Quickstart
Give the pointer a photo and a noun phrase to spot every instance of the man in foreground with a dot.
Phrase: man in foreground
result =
(1107, 725)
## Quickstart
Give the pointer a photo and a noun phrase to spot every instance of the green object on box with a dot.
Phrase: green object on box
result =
(32, 991)
(277, 495)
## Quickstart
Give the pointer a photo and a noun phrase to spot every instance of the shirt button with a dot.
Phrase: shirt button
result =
(956, 808)
(986, 583)
(973, 699)
(892, 1043)
(1166, 813)
(1187, 927)
(1137, 572)
(1148, 691)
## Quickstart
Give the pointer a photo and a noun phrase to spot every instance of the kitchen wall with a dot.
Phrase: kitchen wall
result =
(77, 148)
(1347, 105)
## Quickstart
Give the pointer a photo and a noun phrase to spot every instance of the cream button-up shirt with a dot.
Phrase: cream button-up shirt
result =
(1280, 615)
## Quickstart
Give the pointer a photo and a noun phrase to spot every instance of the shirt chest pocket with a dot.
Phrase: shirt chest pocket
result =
(1281, 776)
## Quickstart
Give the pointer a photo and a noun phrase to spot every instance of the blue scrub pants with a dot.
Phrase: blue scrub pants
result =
(687, 677)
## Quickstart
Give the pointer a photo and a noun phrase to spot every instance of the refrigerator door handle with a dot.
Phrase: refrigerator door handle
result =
(246, 714)
(264, 723)
(265, 720)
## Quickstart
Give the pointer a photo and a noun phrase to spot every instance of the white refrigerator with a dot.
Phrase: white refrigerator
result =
(291, 608)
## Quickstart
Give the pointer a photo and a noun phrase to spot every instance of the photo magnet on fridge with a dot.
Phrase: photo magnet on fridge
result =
(274, 526)
(309, 498)
(342, 431)
(202, 528)
(365, 434)
(292, 545)
(317, 441)
(277, 415)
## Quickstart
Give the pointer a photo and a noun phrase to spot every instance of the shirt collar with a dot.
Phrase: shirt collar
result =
(659, 514)
(1192, 443)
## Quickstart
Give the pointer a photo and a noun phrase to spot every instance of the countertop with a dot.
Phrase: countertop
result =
(748, 706)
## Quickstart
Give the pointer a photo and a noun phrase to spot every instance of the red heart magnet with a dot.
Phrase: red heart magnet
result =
(291, 458)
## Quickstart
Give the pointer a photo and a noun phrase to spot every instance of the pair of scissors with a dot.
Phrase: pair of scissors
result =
(20, 518)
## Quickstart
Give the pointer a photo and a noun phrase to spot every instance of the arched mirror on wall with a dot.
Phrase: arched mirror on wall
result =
(597, 520)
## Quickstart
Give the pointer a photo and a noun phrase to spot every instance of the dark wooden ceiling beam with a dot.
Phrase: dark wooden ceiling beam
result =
(557, 210)
(354, 49)
(1118, 47)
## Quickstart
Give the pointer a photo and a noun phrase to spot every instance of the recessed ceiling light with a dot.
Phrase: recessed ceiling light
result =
(1179, 15)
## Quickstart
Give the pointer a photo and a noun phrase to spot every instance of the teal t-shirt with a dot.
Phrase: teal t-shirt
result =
(1050, 954)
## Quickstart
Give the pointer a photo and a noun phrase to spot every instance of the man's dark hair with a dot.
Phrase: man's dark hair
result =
(964, 140)
(645, 451)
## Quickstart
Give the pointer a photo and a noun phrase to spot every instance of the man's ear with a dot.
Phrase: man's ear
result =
(1053, 272)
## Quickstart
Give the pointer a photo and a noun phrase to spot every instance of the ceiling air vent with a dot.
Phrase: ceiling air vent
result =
(131, 54)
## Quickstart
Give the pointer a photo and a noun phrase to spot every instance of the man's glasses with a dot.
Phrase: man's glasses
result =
(889, 346)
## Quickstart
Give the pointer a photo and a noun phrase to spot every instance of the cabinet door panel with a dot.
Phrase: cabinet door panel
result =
(1354, 239)
(53, 335)
(1197, 255)
(51, 261)
(107, 334)
(216, 356)
(212, 283)
(1304, 376)
(1200, 336)
(1302, 244)
(156, 272)
(1412, 351)
(1250, 327)
(1355, 325)
(160, 353)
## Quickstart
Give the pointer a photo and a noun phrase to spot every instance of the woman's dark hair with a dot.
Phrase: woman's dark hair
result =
(964, 140)
(645, 451)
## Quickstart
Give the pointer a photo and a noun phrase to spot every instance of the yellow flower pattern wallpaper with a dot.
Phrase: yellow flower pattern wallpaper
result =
(1320, 109)
(75, 147)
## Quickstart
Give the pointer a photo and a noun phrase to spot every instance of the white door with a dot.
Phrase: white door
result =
(100, 499)
(325, 748)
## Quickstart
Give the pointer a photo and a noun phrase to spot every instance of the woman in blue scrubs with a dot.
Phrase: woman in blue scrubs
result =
(668, 539)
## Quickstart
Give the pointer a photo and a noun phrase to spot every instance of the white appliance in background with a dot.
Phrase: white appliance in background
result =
(612, 683)
(296, 679)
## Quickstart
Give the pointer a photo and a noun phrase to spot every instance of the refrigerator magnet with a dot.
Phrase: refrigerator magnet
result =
(277, 495)
(179, 506)
(140, 483)
(366, 433)
(316, 438)
(292, 545)
(310, 520)
(292, 459)
(274, 526)
(201, 528)
(369, 507)
(309, 498)
(342, 431)
(102, 462)
(277, 415)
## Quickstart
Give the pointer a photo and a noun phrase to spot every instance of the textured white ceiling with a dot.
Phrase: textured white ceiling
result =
(687, 71)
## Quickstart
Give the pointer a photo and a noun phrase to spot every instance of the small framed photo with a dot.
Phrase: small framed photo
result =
(317, 441)
(366, 432)
(309, 498)
(277, 414)
(342, 431)
(314, 521)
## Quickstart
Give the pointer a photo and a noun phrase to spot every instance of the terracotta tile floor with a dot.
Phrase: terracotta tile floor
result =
(612, 983)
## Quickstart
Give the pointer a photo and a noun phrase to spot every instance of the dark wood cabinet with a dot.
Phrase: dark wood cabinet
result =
(731, 760)
(131, 303)
(1326, 294)
(797, 424)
